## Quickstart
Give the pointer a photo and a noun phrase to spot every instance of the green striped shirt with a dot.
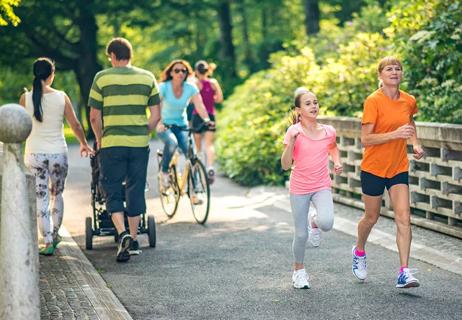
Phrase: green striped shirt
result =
(123, 94)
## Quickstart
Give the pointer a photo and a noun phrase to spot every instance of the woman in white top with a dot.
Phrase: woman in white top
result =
(46, 149)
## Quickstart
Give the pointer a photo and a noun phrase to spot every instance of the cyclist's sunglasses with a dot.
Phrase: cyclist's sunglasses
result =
(180, 70)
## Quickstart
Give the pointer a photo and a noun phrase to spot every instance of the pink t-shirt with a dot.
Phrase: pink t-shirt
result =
(310, 170)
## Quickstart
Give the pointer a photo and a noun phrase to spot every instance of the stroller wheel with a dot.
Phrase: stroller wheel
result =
(152, 231)
(88, 233)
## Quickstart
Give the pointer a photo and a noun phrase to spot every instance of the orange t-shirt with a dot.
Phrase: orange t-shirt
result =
(388, 159)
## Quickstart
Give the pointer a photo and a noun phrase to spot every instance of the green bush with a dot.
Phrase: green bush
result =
(434, 57)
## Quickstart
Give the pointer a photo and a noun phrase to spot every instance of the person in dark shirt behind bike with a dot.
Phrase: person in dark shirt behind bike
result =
(175, 94)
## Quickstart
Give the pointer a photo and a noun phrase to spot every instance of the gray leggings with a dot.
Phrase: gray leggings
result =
(300, 204)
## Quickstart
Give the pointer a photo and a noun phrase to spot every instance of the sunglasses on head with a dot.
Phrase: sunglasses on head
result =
(180, 70)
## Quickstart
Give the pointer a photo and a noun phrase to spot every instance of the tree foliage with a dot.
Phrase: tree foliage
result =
(7, 14)
(341, 70)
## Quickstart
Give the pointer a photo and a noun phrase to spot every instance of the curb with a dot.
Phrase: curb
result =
(103, 300)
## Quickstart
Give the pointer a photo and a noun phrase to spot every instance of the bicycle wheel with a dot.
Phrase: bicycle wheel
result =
(169, 197)
(199, 191)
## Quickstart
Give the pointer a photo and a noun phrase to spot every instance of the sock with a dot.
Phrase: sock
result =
(360, 253)
(402, 268)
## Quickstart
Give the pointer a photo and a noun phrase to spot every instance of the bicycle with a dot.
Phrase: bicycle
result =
(193, 181)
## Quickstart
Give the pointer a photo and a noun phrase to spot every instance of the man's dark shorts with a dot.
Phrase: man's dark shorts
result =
(197, 124)
(373, 185)
(119, 164)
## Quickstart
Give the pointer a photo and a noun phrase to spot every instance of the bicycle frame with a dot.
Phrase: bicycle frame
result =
(182, 177)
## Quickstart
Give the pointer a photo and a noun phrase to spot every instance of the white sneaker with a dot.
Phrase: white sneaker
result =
(165, 180)
(406, 279)
(300, 279)
(314, 234)
(359, 267)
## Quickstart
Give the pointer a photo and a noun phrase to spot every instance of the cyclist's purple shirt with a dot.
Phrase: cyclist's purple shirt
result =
(207, 94)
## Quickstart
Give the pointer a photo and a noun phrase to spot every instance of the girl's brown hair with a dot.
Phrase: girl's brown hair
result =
(165, 76)
(294, 117)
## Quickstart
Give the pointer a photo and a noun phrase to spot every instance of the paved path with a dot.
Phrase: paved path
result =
(239, 265)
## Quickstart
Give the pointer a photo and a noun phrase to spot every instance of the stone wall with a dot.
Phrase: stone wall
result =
(435, 182)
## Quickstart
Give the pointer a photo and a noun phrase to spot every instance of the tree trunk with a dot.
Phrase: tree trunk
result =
(311, 17)
(227, 53)
(248, 56)
(87, 65)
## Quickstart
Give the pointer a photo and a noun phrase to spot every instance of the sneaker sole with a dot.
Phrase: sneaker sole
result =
(303, 288)
(408, 285)
(362, 280)
(124, 255)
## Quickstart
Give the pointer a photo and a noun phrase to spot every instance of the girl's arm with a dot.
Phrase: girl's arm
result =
(287, 154)
(335, 156)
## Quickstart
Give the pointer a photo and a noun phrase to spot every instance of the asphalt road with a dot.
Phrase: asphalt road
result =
(239, 265)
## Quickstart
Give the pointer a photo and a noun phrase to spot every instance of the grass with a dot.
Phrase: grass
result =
(69, 135)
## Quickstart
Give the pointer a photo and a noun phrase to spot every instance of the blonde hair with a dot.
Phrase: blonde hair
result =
(389, 60)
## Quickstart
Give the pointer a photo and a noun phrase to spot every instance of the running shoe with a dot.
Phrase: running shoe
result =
(125, 242)
(47, 251)
(406, 279)
(134, 248)
(314, 234)
(300, 279)
(359, 267)
(57, 240)
(165, 180)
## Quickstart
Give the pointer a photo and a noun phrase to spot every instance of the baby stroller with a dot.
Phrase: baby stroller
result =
(101, 224)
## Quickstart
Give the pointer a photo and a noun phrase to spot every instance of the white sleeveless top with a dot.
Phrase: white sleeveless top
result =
(47, 136)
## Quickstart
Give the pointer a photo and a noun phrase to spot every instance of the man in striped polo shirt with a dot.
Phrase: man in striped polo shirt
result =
(118, 99)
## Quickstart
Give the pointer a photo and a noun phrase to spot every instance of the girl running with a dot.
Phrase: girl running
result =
(308, 145)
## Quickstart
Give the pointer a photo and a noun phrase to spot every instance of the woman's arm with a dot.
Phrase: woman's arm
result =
(22, 100)
(218, 96)
(200, 108)
(74, 123)
(416, 146)
(368, 138)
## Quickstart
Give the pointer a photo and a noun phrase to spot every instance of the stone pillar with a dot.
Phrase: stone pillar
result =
(19, 263)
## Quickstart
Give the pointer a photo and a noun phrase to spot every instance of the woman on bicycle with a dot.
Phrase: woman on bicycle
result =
(175, 94)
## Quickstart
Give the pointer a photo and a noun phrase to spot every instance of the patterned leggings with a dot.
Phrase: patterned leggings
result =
(50, 172)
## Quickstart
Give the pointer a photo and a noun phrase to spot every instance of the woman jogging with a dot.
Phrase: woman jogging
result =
(46, 149)
(387, 124)
(211, 93)
(308, 145)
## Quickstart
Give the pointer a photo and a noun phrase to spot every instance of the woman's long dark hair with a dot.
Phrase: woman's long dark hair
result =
(43, 68)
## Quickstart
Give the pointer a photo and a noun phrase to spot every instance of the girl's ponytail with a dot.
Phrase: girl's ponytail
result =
(43, 68)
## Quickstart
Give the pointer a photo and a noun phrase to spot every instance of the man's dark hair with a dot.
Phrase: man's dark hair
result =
(121, 47)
